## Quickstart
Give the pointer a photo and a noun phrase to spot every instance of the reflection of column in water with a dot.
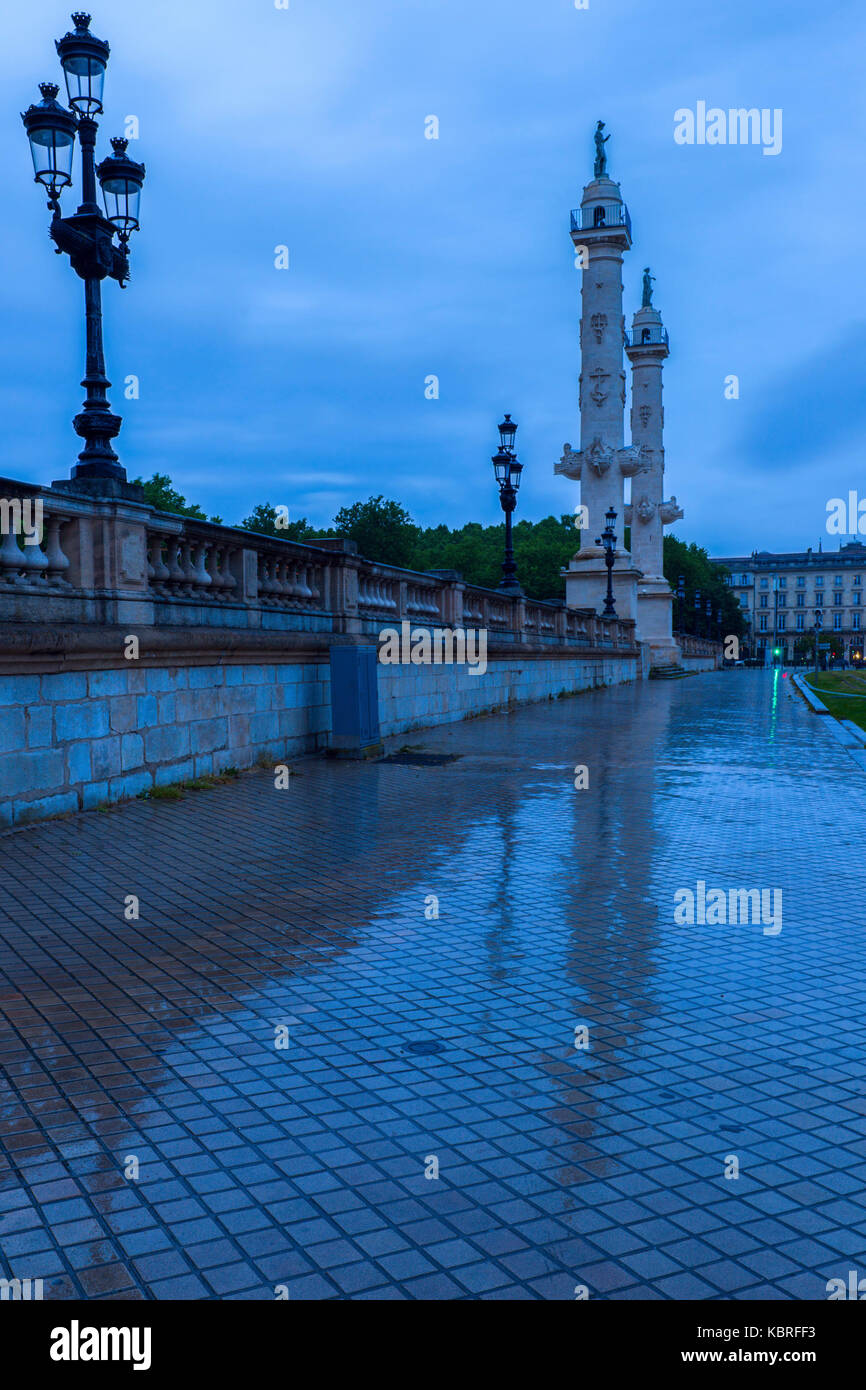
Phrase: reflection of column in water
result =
(612, 913)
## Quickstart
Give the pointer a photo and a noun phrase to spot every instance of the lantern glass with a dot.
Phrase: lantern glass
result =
(500, 467)
(122, 197)
(516, 471)
(51, 148)
(85, 77)
(507, 431)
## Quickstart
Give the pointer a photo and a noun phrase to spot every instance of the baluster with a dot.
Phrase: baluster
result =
(56, 562)
(198, 555)
(10, 559)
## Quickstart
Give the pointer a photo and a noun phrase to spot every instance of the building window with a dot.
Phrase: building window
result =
(855, 599)
(858, 579)
(782, 620)
(763, 626)
(801, 622)
(855, 622)
(782, 600)
(765, 583)
(837, 599)
(801, 600)
(783, 583)
(837, 622)
(819, 581)
(837, 579)
(763, 600)
(801, 581)
(744, 579)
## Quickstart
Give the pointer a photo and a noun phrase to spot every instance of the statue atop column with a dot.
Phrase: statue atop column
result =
(647, 301)
(600, 167)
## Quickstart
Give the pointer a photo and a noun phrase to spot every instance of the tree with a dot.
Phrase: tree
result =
(382, 530)
(265, 521)
(701, 575)
(159, 493)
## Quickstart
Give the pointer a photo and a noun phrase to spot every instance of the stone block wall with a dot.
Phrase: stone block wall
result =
(415, 697)
(73, 740)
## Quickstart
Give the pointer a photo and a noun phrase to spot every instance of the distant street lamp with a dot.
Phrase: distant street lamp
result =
(718, 624)
(681, 598)
(709, 613)
(608, 540)
(88, 236)
(508, 471)
(697, 612)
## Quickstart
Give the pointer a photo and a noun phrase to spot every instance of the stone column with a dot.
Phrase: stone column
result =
(601, 233)
(647, 348)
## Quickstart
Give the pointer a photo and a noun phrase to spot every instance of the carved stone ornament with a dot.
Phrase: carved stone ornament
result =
(646, 509)
(570, 463)
(629, 459)
(669, 511)
(600, 457)
(598, 323)
(645, 412)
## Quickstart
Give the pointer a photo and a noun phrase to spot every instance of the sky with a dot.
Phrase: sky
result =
(411, 257)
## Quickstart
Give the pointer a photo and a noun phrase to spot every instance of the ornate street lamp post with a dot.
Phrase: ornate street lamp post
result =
(508, 471)
(88, 236)
(681, 599)
(608, 540)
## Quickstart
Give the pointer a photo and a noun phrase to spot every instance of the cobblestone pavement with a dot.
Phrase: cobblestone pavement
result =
(305, 1165)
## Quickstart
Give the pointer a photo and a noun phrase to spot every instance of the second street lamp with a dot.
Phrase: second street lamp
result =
(88, 236)
(508, 471)
(608, 540)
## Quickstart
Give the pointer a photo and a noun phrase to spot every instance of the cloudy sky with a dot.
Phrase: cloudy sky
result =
(412, 257)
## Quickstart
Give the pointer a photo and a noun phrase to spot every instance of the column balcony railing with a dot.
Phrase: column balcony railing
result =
(600, 216)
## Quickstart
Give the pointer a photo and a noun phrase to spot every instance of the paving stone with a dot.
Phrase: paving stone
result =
(557, 1166)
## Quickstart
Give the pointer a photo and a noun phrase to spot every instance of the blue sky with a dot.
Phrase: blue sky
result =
(411, 257)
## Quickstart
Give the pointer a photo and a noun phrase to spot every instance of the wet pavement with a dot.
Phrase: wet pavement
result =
(251, 1088)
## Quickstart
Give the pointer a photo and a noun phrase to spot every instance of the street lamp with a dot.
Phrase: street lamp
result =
(681, 598)
(718, 624)
(508, 471)
(819, 622)
(697, 612)
(88, 236)
(608, 540)
(709, 613)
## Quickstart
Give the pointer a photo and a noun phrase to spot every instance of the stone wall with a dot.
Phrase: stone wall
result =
(232, 634)
(73, 740)
(416, 697)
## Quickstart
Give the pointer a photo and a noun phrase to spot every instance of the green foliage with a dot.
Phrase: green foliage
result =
(382, 530)
(159, 493)
(710, 579)
(263, 520)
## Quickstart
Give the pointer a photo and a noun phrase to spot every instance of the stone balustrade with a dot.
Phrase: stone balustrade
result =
(119, 562)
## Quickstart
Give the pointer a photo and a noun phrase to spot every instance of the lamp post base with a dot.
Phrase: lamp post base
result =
(116, 489)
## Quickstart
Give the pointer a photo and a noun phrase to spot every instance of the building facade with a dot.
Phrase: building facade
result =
(782, 595)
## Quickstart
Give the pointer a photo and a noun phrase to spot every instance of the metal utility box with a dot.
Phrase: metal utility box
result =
(354, 702)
